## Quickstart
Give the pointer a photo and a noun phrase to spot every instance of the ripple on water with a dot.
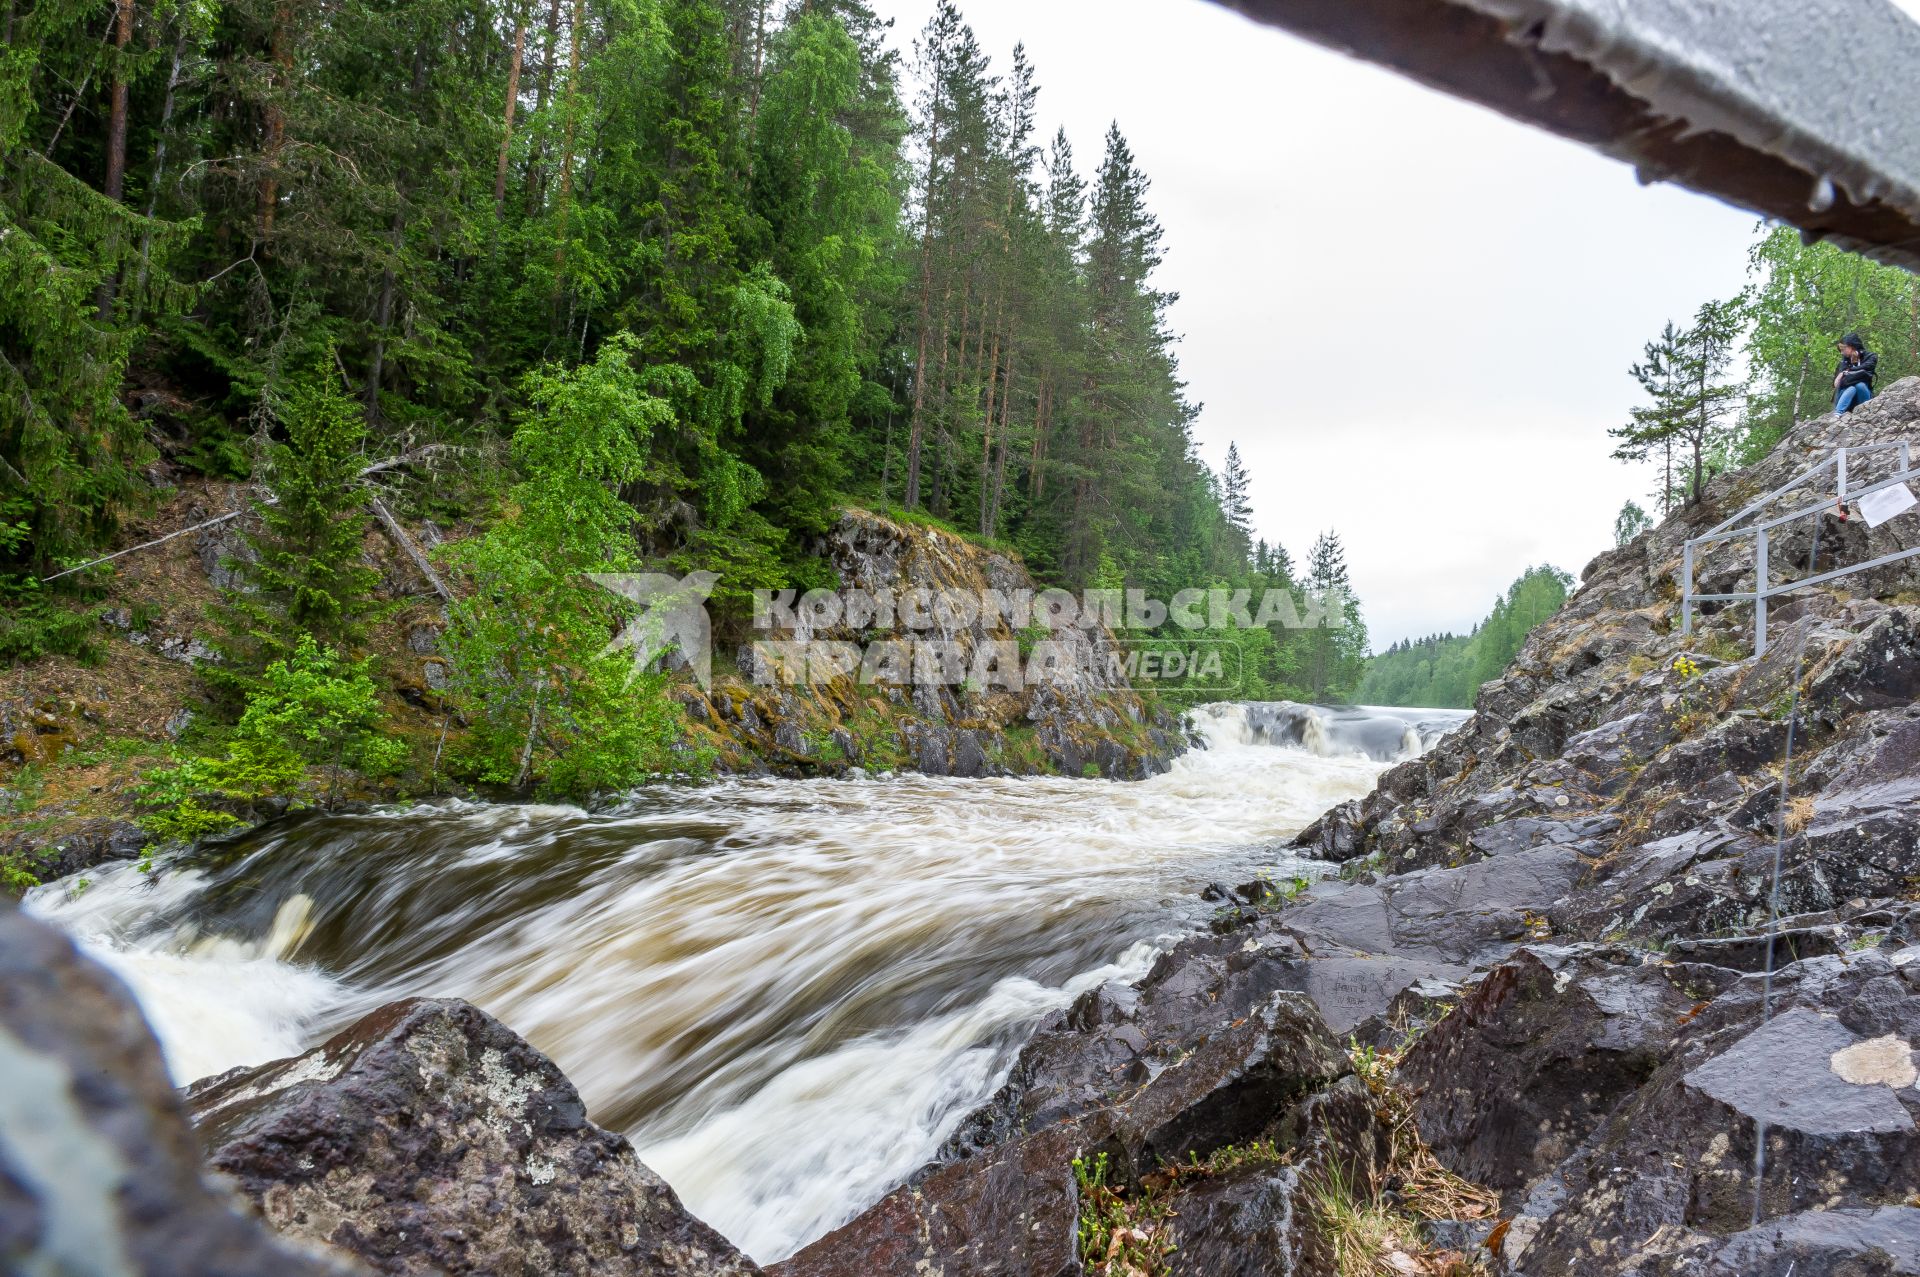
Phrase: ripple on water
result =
(786, 991)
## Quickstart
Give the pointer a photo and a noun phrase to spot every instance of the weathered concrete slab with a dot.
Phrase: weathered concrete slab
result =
(1803, 110)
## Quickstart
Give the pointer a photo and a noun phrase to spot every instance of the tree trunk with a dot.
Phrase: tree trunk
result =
(160, 156)
(506, 129)
(986, 431)
(116, 183)
(1042, 424)
(552, 51)
(566, 150)
(917, 427)
(117, 102)
(389, 277)
(1000, 453)
(277, 84)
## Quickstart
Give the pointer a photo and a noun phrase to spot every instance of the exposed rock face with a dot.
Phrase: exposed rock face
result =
(1613, 1083)
(99, 1172)
(1566, 905)
(1012, 1207)
(429, 1138)
(1087, 722)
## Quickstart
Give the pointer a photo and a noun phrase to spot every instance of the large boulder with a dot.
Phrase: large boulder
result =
(1829, 1079)
(1532, 1060)
(99, 1172)
(1270, 1077)
(430, 1138)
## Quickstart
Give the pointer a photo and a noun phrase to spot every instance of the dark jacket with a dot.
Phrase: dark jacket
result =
(1854, 371)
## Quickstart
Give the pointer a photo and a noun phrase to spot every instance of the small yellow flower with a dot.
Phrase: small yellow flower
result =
(1684, 667)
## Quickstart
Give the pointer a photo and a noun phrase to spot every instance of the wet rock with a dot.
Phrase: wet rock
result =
(931, 751)
(1356, 992)
(1012, 1208)
(1253, 1222)
(1675, 1161)
(1846, 1243)
(1259, 1220)
(1013, 1211)
(1532, 1060)
(969, 759)
(99, 1172)
(1879, 669)
(94, 843)
(1228, 1088)
(1789, 1074)
(428, 1137)
(1472, 914)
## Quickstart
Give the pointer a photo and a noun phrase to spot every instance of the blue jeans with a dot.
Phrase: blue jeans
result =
(1852, 397)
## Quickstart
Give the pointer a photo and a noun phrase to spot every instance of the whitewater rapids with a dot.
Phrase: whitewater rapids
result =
(786, 992)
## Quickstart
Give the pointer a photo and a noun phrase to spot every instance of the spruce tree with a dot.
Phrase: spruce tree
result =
(304, 573)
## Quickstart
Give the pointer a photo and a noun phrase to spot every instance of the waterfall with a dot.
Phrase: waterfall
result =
(786, 992)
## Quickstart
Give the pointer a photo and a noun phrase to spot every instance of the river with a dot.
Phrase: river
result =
(786, 992)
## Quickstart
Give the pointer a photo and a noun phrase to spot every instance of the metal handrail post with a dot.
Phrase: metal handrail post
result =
(1686, 589)
(1841, 470)
(1760, 593)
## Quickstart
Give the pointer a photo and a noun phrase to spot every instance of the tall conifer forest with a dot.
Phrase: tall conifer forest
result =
(601, 285)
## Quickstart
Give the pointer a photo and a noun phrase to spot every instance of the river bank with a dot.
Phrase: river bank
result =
(797, 986)
(80, 740)
(1593, 983)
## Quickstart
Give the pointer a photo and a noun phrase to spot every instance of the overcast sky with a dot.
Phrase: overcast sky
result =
(1414, 316)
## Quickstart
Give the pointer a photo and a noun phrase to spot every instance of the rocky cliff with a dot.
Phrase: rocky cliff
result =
(1547, 1013)
(1087, 721)
(76, 738)
(1547, 946)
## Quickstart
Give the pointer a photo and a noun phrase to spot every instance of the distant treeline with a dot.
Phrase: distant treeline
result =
(1447, 669)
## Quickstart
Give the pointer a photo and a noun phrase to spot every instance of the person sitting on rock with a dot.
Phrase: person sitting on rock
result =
(1853, 380)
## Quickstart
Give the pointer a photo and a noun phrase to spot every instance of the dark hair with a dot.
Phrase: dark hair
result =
(1854, 340)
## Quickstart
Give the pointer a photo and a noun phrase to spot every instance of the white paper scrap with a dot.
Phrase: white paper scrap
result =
(1877, 507)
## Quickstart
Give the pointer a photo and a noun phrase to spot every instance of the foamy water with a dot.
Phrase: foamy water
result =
(787, 992)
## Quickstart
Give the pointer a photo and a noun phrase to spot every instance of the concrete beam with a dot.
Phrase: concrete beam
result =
(1806, 111)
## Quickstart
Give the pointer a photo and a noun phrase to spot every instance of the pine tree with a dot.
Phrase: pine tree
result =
(1234, 500)
(1685, 378)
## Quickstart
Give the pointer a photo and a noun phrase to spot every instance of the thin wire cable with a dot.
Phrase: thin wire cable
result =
(1779, 853)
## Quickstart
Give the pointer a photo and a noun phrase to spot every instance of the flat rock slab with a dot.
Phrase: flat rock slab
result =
(1789, 1074)
(1352, 989)
(1883, 1242)
(1473, 914)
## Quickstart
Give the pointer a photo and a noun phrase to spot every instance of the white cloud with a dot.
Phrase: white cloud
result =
(1414, 316)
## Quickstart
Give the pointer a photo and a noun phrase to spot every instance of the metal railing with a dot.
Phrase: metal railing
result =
(1762, 591)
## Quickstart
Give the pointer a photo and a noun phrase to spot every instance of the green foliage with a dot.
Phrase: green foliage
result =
(1448, 669)
(1804, 298)
(312, 709)
(1119, 1235)
(305, 577)
(1630, 523)
(1333, 656)
(527, 643)
(673, 248)
(1686, 421)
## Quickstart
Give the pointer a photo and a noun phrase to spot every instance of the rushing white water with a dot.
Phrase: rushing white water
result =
(787, 992)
